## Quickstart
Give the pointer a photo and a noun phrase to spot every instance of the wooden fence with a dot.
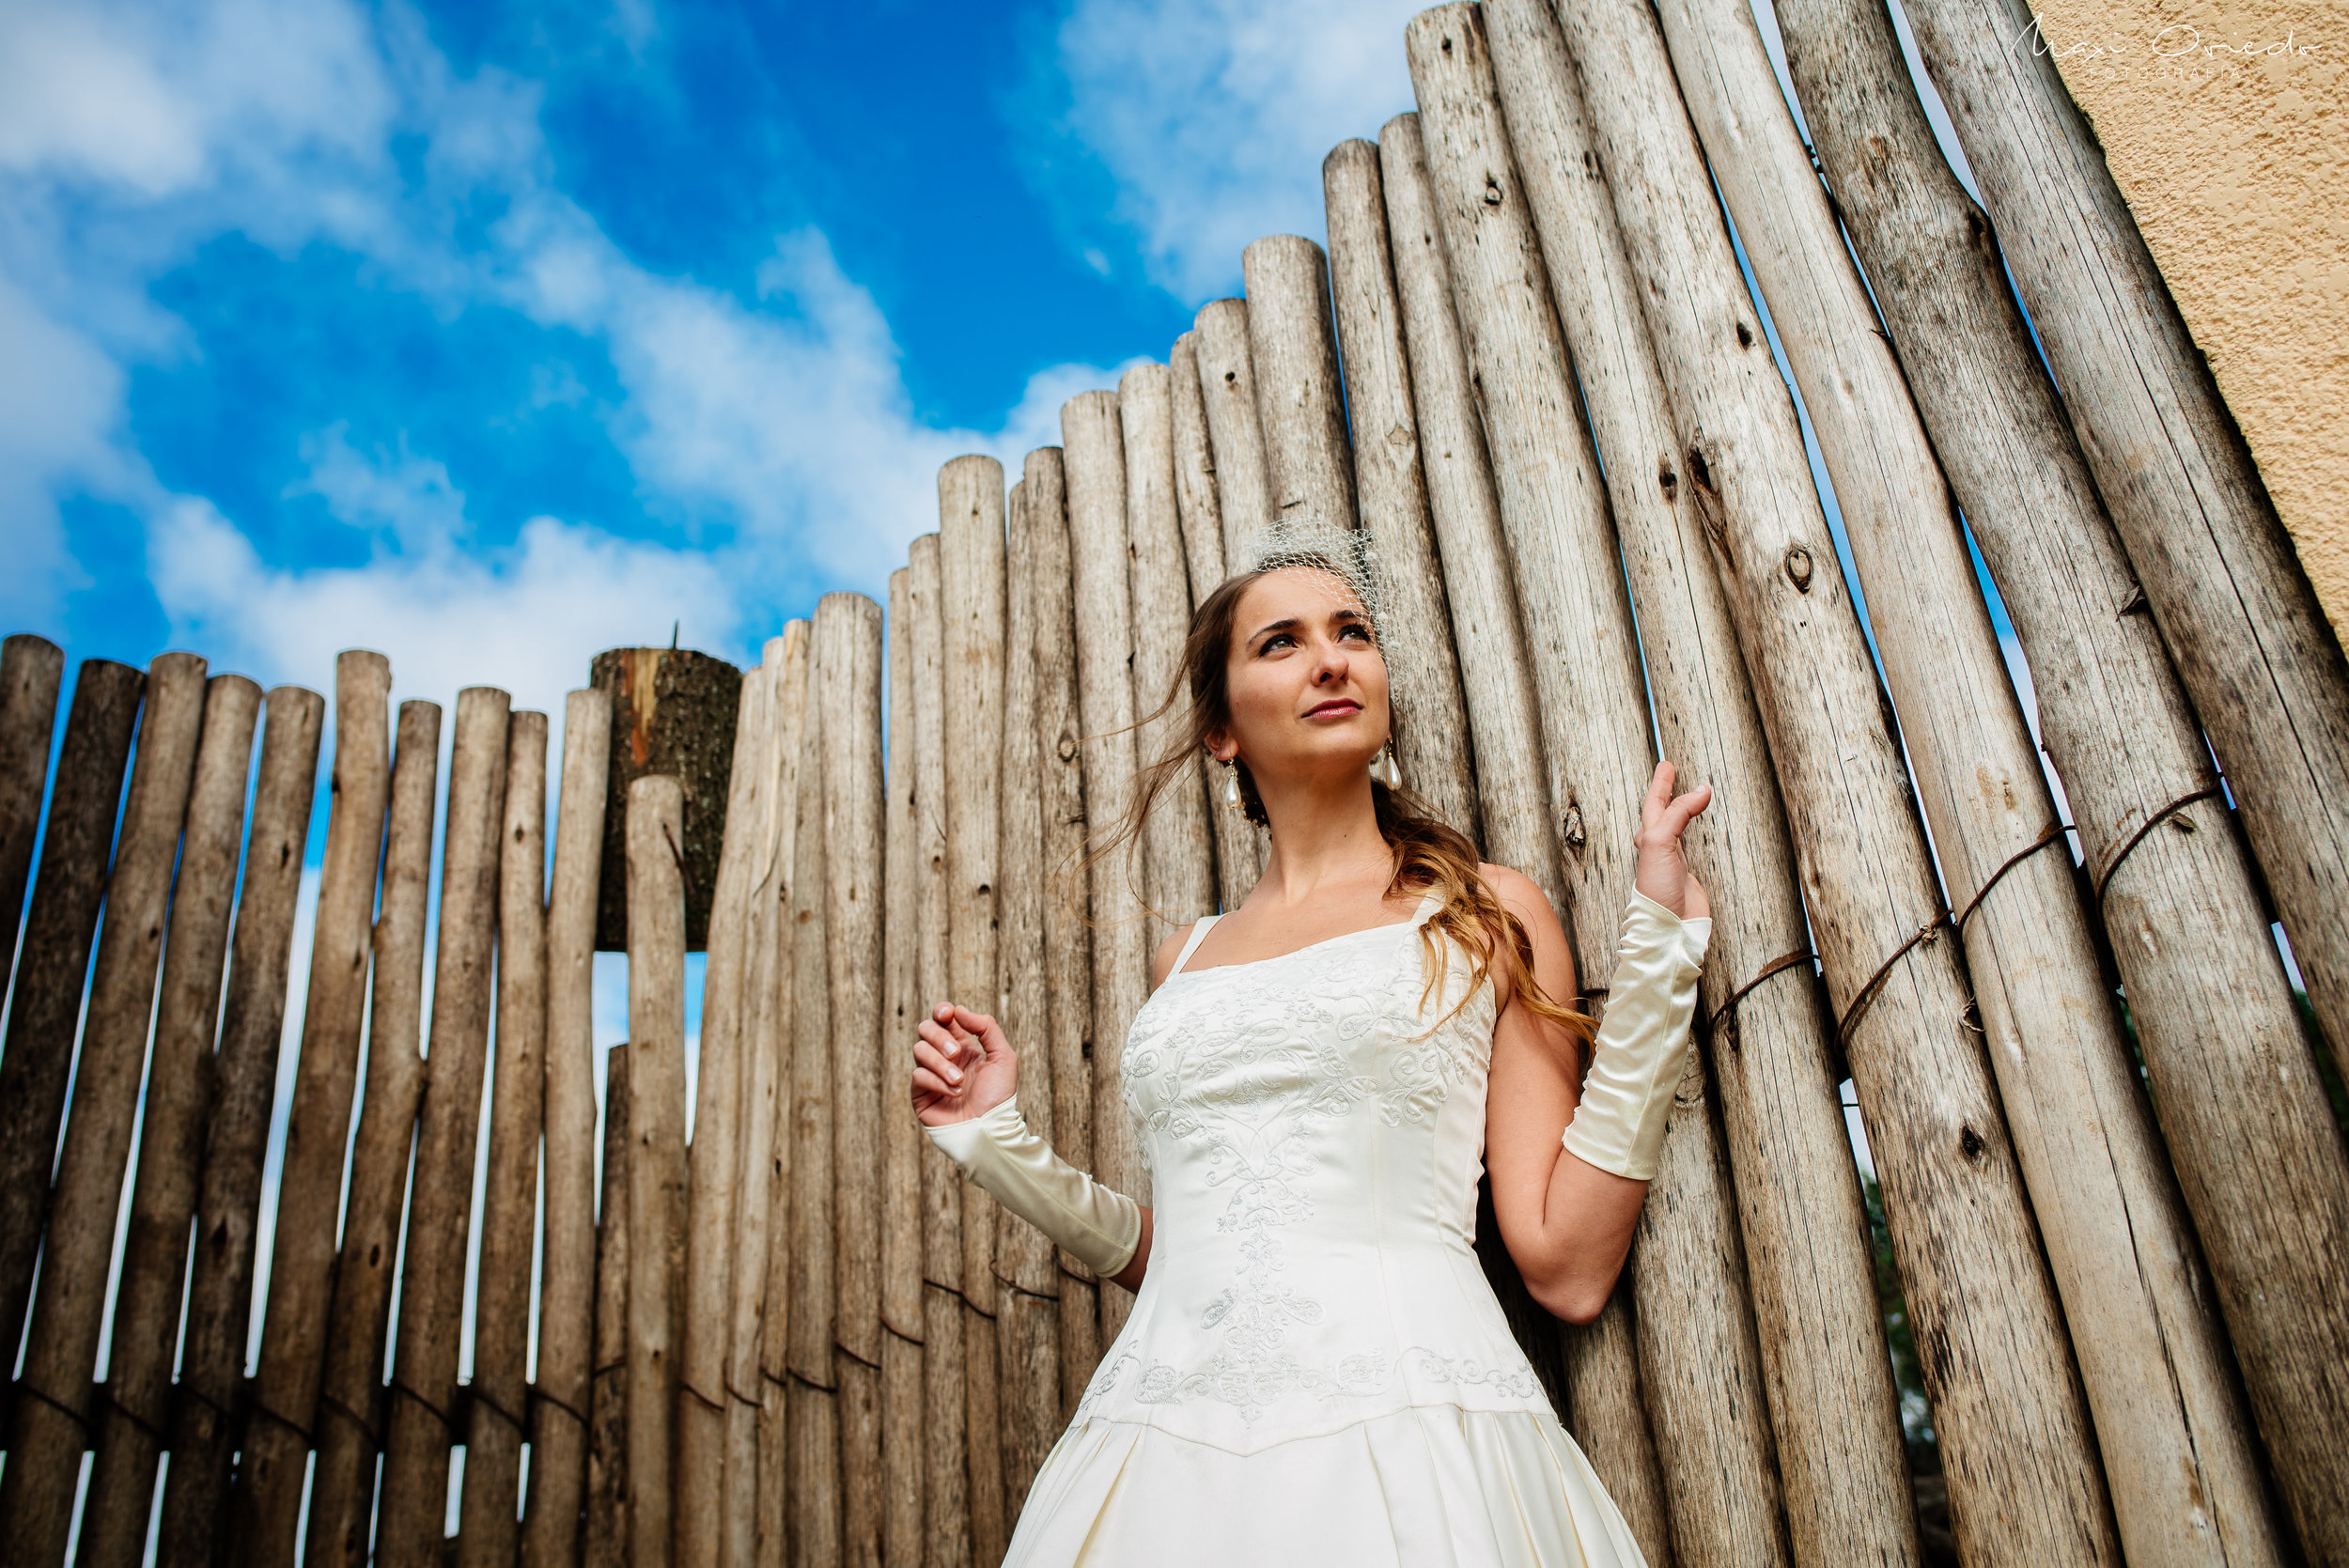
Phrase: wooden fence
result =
(1531, 369)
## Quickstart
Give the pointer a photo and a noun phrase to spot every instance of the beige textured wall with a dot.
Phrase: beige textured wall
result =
(2227, 124)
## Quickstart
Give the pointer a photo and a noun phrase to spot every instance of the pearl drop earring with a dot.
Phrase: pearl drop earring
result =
(1231, 787)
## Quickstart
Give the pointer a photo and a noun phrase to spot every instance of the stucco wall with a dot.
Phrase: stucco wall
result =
(2227, 124)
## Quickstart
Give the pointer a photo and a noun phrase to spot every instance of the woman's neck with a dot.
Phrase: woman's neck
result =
(1323, 837)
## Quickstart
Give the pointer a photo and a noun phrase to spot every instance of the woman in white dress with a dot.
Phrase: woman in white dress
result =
(1315, 1370)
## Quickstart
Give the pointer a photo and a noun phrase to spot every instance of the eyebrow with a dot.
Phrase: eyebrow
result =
(1290, 623)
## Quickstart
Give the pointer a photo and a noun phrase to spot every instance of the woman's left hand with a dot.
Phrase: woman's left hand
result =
(1664, 871)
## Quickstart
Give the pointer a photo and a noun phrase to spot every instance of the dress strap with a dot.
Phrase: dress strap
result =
(1429, 903)
(1198, 934)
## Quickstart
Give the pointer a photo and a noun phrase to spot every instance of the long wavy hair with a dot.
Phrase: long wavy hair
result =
(1429, 856)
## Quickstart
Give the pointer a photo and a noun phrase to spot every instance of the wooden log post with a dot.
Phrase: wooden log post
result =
(414, 1498)
(1238, 852)
(946, 1483)
(52, 963)
(971, 565)
(1821, 1336)
(1178, 855)
(1496, 672)
(31, 669)
(605, 1538)
(798, 865)
(1096, 471)
(489, 1522)
(2024, 1480)
(656, 1166)
(1068, 936)
(1578, 625)
(561, 1413)
(673, 714)
(1028, 1329)
(2172, 1427)
(266, 1506)
(1299, 404)
(213, 1329)
(137, 1406)
(812, 1462)
(902, 1455)
(1391, 491)
(2265, 669)
(351, 1422)
(847, 647)
(713, 1160)
(2249, 1134)
(52, 1410)
(1227, 385)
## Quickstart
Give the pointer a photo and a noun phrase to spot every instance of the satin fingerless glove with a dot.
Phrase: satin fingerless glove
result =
(998, 1150)
(1642, 1044)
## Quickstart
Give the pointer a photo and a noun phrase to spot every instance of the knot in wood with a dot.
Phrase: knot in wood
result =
(1492, 192)
(1969, 1142)
(1666, 477)
(1798, 568)
(1576, 838)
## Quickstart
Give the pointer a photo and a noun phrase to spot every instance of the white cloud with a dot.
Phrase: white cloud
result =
(1213, 116)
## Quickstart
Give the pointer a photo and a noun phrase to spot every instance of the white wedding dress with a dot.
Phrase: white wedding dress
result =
(1316, 1371)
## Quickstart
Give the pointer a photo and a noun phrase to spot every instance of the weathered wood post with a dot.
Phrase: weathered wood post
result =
(2249, 1134)
(1575, 614)
(2172, 1429)
(847, 651)
(2268, 677)
(1177, 856)
(706, 1314)
(137, 1406)
(902, 1143)
(1300, 405)
(656, 1164)
(1496, 674)
(673, 714)
(489, 1526)
(1391, 491)
(946, 1483)
(414, 1498)
(567, 1286)
(276, 1445)
(244, 1083)
(1831, 1399)
(1227, 385)
(349, 1431)
(2023, 1478)
(1028, 1332)
(1067, 938)
(1096, 471)
(812, 1461)
(52, 1412)
(52, 961)
(605, 1544)
(30, 669)
(970, 551)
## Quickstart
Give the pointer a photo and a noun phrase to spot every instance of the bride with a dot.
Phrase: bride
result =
(1315, 1370)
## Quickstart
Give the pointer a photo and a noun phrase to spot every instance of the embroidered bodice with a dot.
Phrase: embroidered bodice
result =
(1314, 1147)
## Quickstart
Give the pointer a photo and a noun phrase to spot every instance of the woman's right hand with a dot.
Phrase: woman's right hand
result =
(962, 1066)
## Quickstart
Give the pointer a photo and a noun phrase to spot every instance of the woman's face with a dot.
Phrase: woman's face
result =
(1308, 687)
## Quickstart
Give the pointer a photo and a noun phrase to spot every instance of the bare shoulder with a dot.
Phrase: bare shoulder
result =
(1167, 951)
(1521, 897)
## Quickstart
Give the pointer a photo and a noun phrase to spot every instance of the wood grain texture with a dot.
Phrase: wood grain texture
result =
(1574, 607)
(1299, 404)
(53, 962)
(1227, 385)
(489, 1521)
(31, 669)
(53, 1408)
(2248, 1130)
(566, 1362)
(1067, 937)
(213, 1332)
(847, 647)
(605, 1544)
(1496, 675)
(136, 1409)
(1820, 1334)
(419, 1429)
(656, 1164)
(902, 1453)
(1390, 492)
(352, 1399)
(2173, 1428)
(273, 1466)
(1178, 855)
(2024, 1483)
